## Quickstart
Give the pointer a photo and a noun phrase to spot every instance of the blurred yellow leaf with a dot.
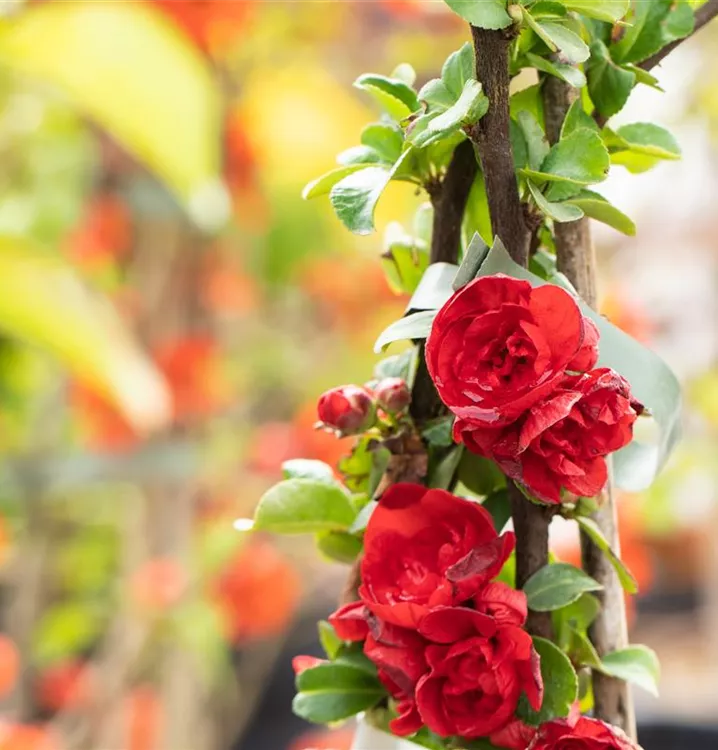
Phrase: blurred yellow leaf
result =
(43, 302)
(130, 69)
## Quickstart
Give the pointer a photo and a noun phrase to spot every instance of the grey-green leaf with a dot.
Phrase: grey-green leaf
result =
(573, 76)
(299, 506)
(414, 326)
(598, 208)
(555, 586)
(323, 185)
(561, 212)
(580, 157)
(486, 14)
(306, 468)
(638, 665)
(569, 44)
(458, 69)
(536, 141)
(392, 94)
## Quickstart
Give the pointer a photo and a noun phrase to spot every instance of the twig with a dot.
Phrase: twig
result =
(491, 134)
(575, 258)
(704, 15)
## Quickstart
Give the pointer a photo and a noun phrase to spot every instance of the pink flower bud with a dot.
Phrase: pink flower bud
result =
(349, 409)
(392, 395)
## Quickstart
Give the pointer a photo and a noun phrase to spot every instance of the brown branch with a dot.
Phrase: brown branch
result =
(704, 15)
(575, 258)
(491, 134)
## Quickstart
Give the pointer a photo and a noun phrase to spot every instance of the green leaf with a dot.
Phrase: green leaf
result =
(638, 665)
(561, 38)
(591, 529)
(331, 642)
(299, 506)
(442, 474)
(44, 303)
(653, 25)
(477, 217)
(640, 146)
(603, 10)
(115, 62)
(436, 94)
(598, 208)
(439, 432)
(387, 140)
(65, 630)
(580, 158)
(362, 519)
(404, 72)
(573, 76)
(560, 685)
(536, 141)
(529, 99)
(358, 155)
(414, 326)
(479, 475)
(399, 366)
(561, 212)
(404, 263)
(333, 692)
(582, 651)
(555, 586)
(499, 506)
(486, 14)
(392, 94)
(579, 614)
(306, 468)
(577, 118)
(458, 69)
(323, 185)
(609, 85)
(354, 198)
(339, 546)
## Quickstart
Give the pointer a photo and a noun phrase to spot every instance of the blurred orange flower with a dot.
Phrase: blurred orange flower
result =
(104, 234)
(626, 314)
(144, 713)
(9, 665)
(258, 592)
(26, 737)
(227, 289)
(158, 584)
(340, 739)
(64, 686)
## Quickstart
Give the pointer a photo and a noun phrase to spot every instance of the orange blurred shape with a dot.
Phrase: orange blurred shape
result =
(158, 584)
(340, 739)
(26, 737)
(627, 315)
(5, 540)
(104, 234)
(318, 444)
(145, 716)
(193, 368)
(346, 287)
(9, 665)
(65, 686)
(214, 25)
(258, 592)
(229, 290)
(104, 426)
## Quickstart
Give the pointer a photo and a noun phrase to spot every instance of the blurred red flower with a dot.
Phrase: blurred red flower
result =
(64, 686)
(9, 665)
(104, 233)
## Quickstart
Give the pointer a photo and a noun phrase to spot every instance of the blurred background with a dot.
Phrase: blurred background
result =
(170, 310)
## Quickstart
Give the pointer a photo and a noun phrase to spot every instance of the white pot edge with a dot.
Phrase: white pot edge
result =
(368, 737)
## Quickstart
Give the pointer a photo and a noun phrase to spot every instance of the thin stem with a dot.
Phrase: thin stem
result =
(575, 258)
(704, 15)
(491, 135)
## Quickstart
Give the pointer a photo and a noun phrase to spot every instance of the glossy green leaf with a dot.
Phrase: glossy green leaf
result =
(414, 326)
(560, 685)
(436, 94)
(299, 506)
(640, 146)
(386, 139)
(477, 217)
(591, 529)
(572, 75)
(561, 212)
(439, 432)
(339, 546)
(598, 208)
(333, 692)
(499, 506)
(441, 476)
(404, 261)
(44, 303)
(358, 155)
(577, 118)
(362, 519)
(557, 585)
(579, 614)
(479, 475)
(652, 26)
(559, 37)
(458, 69)
(392, 94)
(536, 142)
(125, 65)
(638, 665)
(582, 651)
(323, 185)
(603, 10)
(306, 468)
(609, 85)
(399, 366)
(331, 642)
(580, 158)
(486, 14)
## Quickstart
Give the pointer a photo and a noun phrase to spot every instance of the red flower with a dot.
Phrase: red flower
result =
(499, 346)
(350, 622)
(427, 548)
(349, 409)
(562, 441)
(478, 671)
(301, 663)
(585, 734)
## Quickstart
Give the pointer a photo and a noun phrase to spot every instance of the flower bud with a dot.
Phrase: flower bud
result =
(392, 395)
(349, 409)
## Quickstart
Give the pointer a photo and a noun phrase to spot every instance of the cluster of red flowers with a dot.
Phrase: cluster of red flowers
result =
(447, 640)
(515, 365)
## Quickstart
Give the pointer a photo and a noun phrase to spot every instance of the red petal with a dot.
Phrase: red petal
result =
(349, 622)
(300, 663)
(451, 624)
(561, 320)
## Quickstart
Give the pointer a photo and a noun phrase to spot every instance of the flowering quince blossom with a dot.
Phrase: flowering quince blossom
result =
(562, 441)
(348, 410)
(584, 734)
(499, 346)
(448, 643)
